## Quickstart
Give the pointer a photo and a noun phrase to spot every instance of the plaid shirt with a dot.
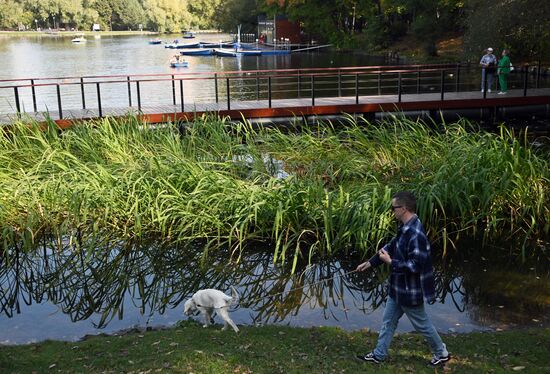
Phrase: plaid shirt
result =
(411, 277)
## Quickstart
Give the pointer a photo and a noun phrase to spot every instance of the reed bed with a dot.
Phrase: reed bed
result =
(310, 191)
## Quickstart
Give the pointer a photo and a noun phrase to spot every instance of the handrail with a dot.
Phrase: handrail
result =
(238, 72)
(173, 77)
(301, 83)
(383, 68)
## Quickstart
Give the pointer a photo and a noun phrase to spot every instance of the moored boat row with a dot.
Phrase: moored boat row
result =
(227, 52)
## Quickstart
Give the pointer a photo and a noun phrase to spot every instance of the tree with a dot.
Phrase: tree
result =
(230, 14)
(167, 15)
(204, 13)
(12, 15)
(128, 14)
(328, 20)
(523, 26)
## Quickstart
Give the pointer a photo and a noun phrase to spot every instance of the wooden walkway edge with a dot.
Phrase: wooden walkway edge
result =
(299, 107)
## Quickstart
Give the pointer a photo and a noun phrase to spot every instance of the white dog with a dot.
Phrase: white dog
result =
(209, 301)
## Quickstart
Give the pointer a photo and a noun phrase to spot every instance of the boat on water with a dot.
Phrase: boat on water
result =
(155, 41)
(188, 35)
(217, 45)
(196, 52)
(177, 45)
(179, 62)
(237, 51)
(227, 52)
(79, 39)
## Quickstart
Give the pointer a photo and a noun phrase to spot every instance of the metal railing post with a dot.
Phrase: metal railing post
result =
(442, 84)
(339, 83)
(129, 92)
(379, 83)
(269, 91)
(418, 82)
(99, 100)
(257, 87)
(216, 86)
(82, 93)
(33, 95)
(17, 105)
(537, 85)
(138, 95)
(181, 96)
(399, 87)
(312, 90)
(457, 77)
(525, 79)
(173, 90)
(356, 88)
(228, 94)
(299, 84)
(59, 101)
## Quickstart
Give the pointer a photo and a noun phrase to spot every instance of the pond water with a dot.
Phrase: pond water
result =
(49, 56)
(59, 292)
(55, 56)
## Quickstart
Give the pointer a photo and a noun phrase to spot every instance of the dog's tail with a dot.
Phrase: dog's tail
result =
(235, 295)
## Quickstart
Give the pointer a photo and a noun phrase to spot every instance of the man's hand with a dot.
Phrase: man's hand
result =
(364, 266)
(384, 256)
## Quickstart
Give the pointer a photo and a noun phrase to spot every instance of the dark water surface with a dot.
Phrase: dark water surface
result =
(60, 292)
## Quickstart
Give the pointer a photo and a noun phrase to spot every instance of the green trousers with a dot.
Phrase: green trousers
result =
(503, 81)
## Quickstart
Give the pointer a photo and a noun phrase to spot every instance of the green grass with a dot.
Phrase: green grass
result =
(189, 348)
(120, 178)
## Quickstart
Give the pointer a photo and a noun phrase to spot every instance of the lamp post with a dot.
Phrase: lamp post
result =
(54, 23)
(36, 24)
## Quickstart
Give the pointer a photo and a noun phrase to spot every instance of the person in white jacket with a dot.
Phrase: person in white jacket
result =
(488, 67)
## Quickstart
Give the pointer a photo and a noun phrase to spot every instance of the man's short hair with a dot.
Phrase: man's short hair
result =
(406, 199)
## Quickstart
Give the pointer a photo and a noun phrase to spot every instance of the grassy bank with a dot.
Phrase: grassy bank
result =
(189, 348)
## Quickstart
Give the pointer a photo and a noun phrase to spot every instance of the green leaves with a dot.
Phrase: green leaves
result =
(313, 191)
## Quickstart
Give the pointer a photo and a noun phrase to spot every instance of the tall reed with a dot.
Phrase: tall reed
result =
(216, 181)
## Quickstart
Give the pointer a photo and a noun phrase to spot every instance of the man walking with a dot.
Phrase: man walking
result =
(411, 280)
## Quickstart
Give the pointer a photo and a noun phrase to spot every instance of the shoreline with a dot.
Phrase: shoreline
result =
(90, 33)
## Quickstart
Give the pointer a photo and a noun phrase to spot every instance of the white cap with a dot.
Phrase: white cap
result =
(489, 49)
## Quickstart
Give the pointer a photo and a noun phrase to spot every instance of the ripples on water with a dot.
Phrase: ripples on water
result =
(61, 292)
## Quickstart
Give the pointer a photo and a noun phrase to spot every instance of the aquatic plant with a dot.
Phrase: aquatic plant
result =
(307, 190)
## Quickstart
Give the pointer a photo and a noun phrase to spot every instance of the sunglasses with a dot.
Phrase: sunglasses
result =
(394, 207)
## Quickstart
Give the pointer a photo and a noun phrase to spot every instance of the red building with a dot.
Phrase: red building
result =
(278, 28)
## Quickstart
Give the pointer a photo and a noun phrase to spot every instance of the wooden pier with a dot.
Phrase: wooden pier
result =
(367, 91)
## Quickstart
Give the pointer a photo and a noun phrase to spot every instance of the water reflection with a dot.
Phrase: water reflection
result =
(65, 290)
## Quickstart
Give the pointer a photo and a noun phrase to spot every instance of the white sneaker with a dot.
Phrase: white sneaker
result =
(489, 90)
(502, 93)
(441, 359)
(482, 90)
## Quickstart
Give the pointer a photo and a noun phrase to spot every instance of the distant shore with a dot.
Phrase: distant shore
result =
(47, 32)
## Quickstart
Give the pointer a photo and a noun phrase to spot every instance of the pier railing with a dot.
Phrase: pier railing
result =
(182, 90)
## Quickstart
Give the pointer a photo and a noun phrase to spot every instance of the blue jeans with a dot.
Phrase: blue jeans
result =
(490, 76)
(419, 319)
